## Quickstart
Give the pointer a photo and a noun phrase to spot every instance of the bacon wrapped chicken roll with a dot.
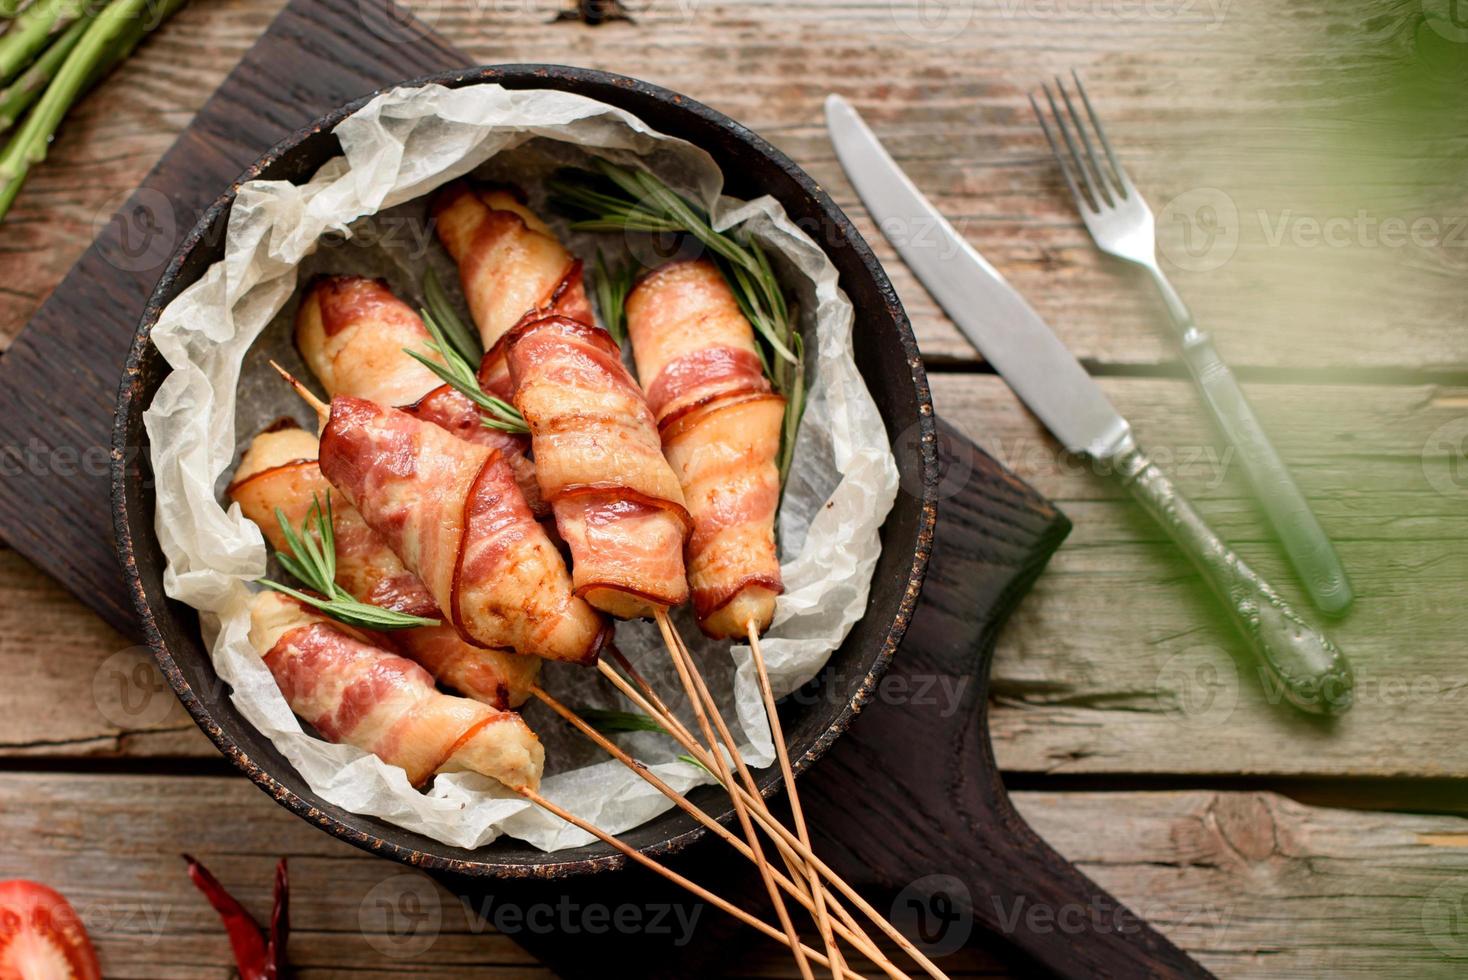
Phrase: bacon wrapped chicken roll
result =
(352, 332)
(509, 261)
(351, 688)
(618, 505)
(279, 470)
(452, 512)
(720, 428)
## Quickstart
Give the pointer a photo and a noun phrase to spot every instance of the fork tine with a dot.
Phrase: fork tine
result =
(1075, 191)
(1092, 198)
(1123, 180)
(1102, 181)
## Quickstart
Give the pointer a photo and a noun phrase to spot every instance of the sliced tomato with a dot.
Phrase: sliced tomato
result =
(41, 936)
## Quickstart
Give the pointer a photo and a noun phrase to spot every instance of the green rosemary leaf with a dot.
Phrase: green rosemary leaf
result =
(615, 199)
(578, 196)
(464, 341)
(328, 538)
(298, 567)
(456, 371)
(794, 409)
(644, 223)
(313, 561)
(609, 722)
(611, 286)
(757, 316)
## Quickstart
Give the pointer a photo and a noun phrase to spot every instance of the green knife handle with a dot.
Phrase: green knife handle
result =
(1304, 540)
(1300, 661)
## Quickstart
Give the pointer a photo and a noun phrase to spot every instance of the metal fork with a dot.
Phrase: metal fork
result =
(1122, 225)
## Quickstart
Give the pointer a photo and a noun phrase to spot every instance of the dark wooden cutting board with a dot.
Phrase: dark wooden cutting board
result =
(908, 805)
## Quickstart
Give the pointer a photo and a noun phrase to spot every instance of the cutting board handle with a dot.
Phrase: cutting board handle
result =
(938, 834)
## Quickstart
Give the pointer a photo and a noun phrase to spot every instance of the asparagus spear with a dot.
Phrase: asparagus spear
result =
(107, 40)
(26, 89)
(31, 32)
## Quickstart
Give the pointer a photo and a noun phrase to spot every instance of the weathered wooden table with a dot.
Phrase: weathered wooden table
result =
(1309, 174)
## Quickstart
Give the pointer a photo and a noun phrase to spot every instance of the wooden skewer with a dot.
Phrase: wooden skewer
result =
(740, 809)
(754, 923)
(685, 658)
(823, 923)
(323, 410)
(791, 938)
(648, 701)
(789, 885)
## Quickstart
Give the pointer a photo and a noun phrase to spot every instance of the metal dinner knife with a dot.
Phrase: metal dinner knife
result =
(1300, 660)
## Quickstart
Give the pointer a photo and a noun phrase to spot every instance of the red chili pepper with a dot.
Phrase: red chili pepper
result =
(256, 958)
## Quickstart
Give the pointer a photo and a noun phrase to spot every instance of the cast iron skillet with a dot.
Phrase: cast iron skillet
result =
(886, 354)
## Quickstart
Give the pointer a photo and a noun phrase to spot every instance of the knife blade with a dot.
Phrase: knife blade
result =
(990, 312)
(1297, 662)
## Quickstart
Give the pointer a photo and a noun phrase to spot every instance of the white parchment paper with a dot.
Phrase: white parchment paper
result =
(363, 213)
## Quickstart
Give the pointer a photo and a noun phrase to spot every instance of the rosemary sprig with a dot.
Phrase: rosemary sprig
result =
(636, 201)
(464, 340)
(609, 722)
(457, 372)
(312, 559)
(610, 285)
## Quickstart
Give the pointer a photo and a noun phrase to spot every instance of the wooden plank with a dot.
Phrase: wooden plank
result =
(1251, 884)
(88, 690)
(1255, 885)
(59, 379)
(1120, 661)
(1197, 96)
(1108, 666)
(111, 845)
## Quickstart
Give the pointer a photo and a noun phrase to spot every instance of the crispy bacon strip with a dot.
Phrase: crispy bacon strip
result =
(509, 261)
(599, 462)
(352, 332)
(279, 470)
(510, 264)
(720, 427)
(351, 688)
(451, 511)
(616, 506)
(452, 411)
